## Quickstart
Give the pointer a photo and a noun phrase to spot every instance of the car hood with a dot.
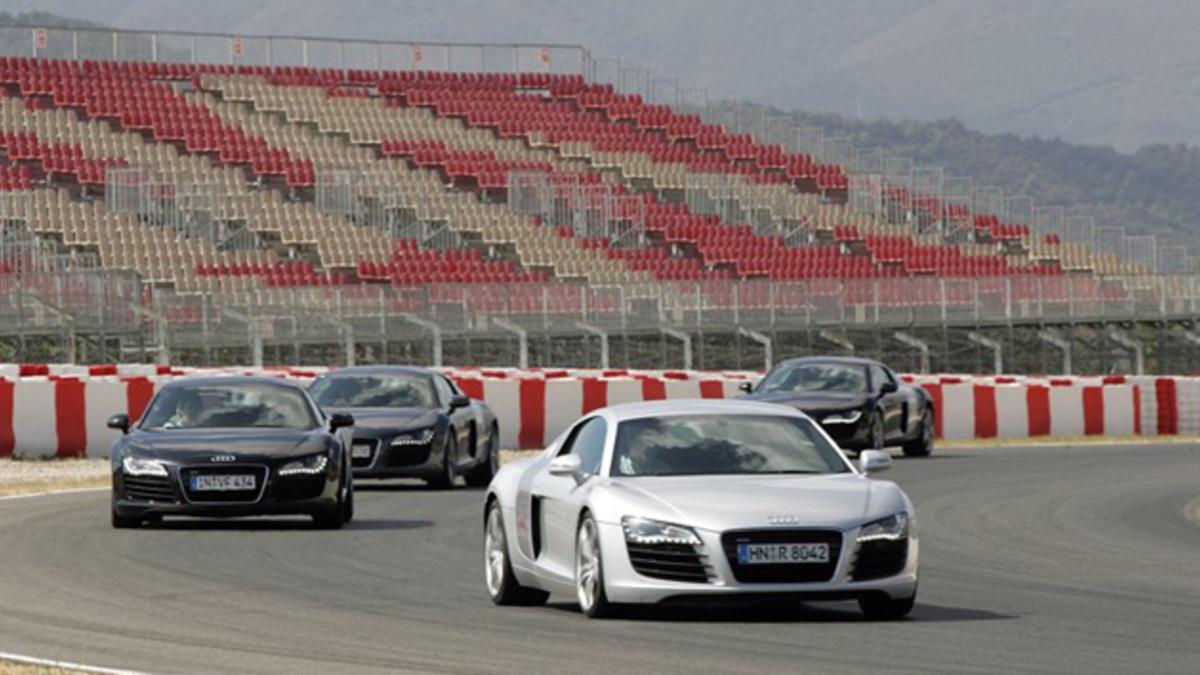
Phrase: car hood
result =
(389, 419)
(718, 503)
(188, 445)
(811, 402)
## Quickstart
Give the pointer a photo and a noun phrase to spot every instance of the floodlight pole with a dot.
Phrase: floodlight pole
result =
(687, 344)
(997, 358)
(1134, 345)
(522, 340)
(600, 333)
(1063, 345)
(435, 331)
(919, 345)
(762, 339)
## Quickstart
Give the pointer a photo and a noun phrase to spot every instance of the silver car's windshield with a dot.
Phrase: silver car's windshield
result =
(373, 391)
(232, 406)
(688, 445)
(842, 378)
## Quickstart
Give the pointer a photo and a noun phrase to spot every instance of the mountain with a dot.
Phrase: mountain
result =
(1102, 72)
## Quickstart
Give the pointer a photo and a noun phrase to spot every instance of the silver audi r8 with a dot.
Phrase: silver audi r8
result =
(692, 501)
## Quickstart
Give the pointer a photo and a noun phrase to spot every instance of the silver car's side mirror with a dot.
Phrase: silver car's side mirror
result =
(874, 461)
(567, 465)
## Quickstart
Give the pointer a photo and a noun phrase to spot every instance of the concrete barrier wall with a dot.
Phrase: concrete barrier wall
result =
(60, 411)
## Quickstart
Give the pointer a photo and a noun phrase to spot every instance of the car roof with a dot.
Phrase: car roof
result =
(226, 380)
(626, 411)
(848, 360)
(381, 370)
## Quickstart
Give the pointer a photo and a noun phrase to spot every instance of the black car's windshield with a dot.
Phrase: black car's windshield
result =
(841, 378)
(226, 406)
(686, 445)
(373, 391)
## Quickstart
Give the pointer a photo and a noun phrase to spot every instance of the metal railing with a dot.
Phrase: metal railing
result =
(272, 50)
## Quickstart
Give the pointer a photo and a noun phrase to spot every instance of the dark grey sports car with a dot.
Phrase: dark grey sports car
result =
(232, 446)
(860, 403)
(412, 423)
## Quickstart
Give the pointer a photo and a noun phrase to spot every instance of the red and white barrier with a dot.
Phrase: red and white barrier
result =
(60, 411)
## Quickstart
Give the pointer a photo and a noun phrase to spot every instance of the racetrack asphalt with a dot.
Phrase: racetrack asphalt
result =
(1033, 560)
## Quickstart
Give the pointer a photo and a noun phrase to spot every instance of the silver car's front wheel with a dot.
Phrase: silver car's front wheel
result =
(502, 584)
(589, 571)
(495, 555)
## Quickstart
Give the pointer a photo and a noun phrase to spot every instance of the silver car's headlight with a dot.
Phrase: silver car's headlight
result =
(419, 437)
(643, 531)
(892, 528)
(135, 466)
(309, 466)
(843, 418)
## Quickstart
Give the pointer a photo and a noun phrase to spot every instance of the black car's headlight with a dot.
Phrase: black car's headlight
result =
(848, 417)
(892, 528)
(309, 466)
(644, 531)
(417, 437)
(136, 466)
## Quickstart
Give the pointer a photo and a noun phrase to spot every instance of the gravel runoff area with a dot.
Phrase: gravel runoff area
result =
(29, 476)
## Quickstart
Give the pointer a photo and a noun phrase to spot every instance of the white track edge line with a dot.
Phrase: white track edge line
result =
(68, 665)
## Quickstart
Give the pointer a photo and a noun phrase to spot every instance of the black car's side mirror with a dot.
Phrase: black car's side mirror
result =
(119, 422)
(889, 388)
(746, 387)
(459, 401)
(340, 421)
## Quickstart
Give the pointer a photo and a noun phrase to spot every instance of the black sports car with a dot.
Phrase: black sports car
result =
(412, 423)
(232, 446)
(860, 403)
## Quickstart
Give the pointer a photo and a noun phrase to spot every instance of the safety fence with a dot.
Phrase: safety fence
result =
(61, 411)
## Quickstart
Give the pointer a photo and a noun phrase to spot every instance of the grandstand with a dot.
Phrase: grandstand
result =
(232, 205)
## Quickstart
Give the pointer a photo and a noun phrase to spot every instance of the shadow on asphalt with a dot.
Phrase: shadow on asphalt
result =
(264, 524)
(839, 612)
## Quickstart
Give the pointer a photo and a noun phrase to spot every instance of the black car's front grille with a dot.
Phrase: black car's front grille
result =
(371, 445)
(149, 488)
(879, 559)
(223, 496)
(408, 455)
(672, 562)
(782, 573)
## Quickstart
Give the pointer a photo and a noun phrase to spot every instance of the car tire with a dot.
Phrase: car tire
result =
(482, 475)
(449, 474)
(332, 517)
(124, 522)
(348, 502)
(589, 571)
(881, 607)
(878, 436)
(922, 445)
(498, 577)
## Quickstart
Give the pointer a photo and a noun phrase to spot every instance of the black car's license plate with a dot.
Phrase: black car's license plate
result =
(224, 483)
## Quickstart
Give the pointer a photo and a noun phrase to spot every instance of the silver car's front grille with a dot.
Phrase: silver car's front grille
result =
(671, 562)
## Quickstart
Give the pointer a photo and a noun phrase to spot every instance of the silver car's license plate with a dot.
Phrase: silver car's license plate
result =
(782, 554)
(230, 483)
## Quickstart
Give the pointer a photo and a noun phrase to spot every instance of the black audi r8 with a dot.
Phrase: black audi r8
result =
(412, 423)
(232, 446)
(860, 403)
